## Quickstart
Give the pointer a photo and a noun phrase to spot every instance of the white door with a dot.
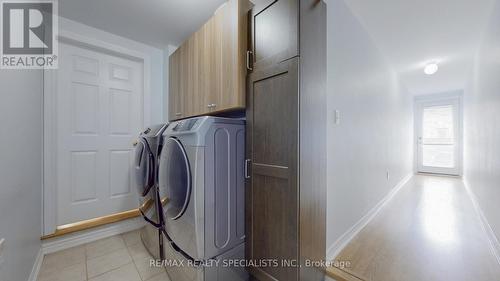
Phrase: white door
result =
(99, 114)
(438, 134)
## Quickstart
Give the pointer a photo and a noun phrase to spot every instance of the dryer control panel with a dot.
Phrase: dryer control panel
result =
(185, 125)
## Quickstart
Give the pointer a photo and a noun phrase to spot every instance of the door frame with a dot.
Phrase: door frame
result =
(455, 97)
(49, 198)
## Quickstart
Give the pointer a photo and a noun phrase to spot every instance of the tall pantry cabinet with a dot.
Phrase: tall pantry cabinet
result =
(286, 139)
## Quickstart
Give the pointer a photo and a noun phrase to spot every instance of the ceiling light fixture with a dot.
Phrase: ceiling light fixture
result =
(431, 68)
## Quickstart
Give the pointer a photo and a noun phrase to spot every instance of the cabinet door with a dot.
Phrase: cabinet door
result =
(211, 64)
(183, 90)
(228, 51)
(233, 46)
(178, 88)
(204, 67)
(274, 29)
(175, 101)
(193, 97)
(213, 43)
(272, 191)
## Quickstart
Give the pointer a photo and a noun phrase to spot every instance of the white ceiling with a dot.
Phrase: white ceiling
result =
(413, 33)
(154, 22)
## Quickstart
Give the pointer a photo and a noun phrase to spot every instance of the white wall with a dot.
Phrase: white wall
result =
(156, 56)
(20, 171)
(375, 133)
(482, 124)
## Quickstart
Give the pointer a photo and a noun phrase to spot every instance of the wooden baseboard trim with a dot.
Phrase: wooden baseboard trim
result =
(87, 224)
(340, 275)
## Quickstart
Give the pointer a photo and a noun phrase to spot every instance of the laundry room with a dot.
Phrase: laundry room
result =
(249, 140)
(138, 163)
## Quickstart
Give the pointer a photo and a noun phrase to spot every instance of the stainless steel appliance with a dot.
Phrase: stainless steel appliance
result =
(145, 171)
(201, 174)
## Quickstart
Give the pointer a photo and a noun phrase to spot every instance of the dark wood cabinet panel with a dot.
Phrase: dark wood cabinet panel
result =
(274, 29)
(272, 130)
(313, 137)
(274, 220)
(286, 139)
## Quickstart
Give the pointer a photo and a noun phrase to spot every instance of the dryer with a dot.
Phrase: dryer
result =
(145, 170)
(201, 174)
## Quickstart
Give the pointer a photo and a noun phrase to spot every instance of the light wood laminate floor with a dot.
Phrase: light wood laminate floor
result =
(429, 231)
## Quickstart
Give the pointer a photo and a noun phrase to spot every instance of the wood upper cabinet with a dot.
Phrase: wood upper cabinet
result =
(208, 71)
(176, 101)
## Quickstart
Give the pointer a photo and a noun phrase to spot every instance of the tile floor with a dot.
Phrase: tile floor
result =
(117, 258)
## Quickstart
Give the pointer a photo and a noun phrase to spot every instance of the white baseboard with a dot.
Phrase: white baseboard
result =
(338, 245)
(83, 237)
(492, 238)
(36, 266)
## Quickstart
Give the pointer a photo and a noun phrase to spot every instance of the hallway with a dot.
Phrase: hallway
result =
(428, 231)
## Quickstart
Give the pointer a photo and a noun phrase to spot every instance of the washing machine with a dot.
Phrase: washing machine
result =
(201, 175)
(145, 171)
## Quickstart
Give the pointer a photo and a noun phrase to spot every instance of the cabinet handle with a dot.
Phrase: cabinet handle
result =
(247, 163)
(249, 53)
(178, 114)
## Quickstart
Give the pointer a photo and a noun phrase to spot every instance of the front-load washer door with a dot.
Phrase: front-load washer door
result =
(178, 201)
(143, 168)
(174, 179)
